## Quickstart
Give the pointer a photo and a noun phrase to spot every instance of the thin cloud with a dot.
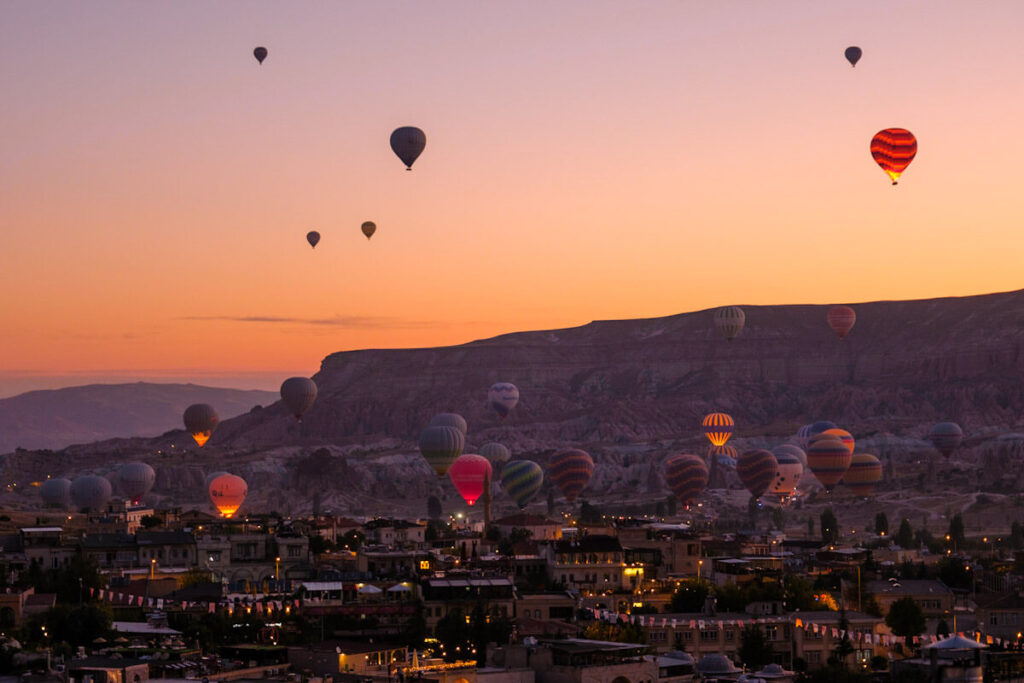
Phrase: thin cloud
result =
(347, 321)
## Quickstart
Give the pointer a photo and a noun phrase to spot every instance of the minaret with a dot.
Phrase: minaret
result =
(487, 503)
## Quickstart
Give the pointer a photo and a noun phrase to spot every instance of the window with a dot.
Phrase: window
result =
(771, 632)
(708, 636)
(813, 657)
(688, 636)
(730, 635)
(993, 619)
(294, 551)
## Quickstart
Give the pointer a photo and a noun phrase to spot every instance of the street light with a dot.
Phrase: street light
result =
(277, 568)
(152, 568)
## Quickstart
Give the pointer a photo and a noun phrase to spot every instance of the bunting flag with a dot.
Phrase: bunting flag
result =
(799, 624)
(160, 603)
(664, 622)
(720, 625)
(141, 601)
(693, 623)
(92, 592)
(674, 622)
(212, 608)
(101, 593)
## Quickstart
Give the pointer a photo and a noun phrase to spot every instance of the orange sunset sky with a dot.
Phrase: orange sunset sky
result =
(585, 160)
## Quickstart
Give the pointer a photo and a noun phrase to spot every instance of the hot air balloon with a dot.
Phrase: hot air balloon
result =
(756, 470)
(790, 449)
(298, 394)
(718, 427)
(56, 492)
(570, 470)
(91, 493)
(841, 320)
(470, 473)
(841, 434)
(521, 480)
(211, 476)
(227, 493)
(723, 453)
(313, 237)
(496, 453)
(946, 437)
(135, 479)
(686, 476)
(440, 446)
(260, 54)
(865, 471)
(200, 421)
(408, 143)
(812, 430)
(729, 321)
(828, 459)
(503, 397)
(450, 420)
(790, 469)
(853, 54)
(893, 149)
(368, 228)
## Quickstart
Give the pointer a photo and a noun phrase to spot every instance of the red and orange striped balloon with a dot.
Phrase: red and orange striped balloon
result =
(718, 428)
(687, 476)
(841, 434)
(570, 470)
(893, 149)
(865, 471)
(756, 470)
(828, 459)
(841, 320)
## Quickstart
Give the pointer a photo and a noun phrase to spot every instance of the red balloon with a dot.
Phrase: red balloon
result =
(470, 473)
(841, 320)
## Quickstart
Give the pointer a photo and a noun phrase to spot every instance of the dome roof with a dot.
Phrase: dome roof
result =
(716, 664)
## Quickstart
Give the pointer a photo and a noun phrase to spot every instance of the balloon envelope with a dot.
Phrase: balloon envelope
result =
(440, 445)
(200, 421)
(227, 493)
(841, 320)
(210, 477)
(729, 320)
(56, 492)
(90, 492)
(853, 55)
(503, 397)
(828, 459)
(718, 427)
(946, 437)
(298, 395)
(841, 434)
(260, 54)
(790, 449)
(408, 143)
(450, 420)
(313, 237)
(135, 479)
(790, 469)
(686, 476)
(571, 470)
(893, 149)
(470, 473)
(756, 470)
(368, 228)
(496, 453)
(521, 480)
(864, 473)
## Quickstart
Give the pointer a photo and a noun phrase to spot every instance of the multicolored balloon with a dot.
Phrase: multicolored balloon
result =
(841, 434)
(729, 320)
(135, 479)
(503, 397)
(570, 470)
(724, 454)
(408, 143)
(853, 54)
(521, 480)
(471, 474)
(227, 493)
(496, 453)
(790, 449)
(893, 149)
(686, 476)
(841, 320)
(718, 427)
(298, 395)
(200, 421)
(450, 420)
(946, 437)
(790, 469)
(440, 445)
(756, 470)
(828, 458)
(864, 473)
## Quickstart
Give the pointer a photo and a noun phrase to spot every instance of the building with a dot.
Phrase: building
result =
(444, 595)
(1000, 615)
(108, 670)
(395, 533)
(590, 563)
(933, 597)
(538, 527)
(369, 658)
(576, 660)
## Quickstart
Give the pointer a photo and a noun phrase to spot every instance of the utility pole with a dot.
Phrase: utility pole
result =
(487, 503)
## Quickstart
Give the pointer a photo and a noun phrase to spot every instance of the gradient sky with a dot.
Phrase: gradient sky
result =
(585, 160)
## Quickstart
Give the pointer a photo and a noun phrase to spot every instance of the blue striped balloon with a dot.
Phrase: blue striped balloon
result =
(521, 480)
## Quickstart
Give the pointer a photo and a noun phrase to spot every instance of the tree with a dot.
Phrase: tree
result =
(754, 651)
(551, 502)
(150, 521)
(779, 518)
(352, 540)
(318, 544)
(955, 574)
(690, 596)
(615, 633)
(956, 532)
(905, 536)
(589, 514)
(905, 618)
(881, 524)
(434, 509)
(810, 526)
(942, 628)
(844, 648)
(799, 593)
(77, 624)
(829, 526)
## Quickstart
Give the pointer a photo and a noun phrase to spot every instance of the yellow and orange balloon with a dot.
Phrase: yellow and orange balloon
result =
(893, 149)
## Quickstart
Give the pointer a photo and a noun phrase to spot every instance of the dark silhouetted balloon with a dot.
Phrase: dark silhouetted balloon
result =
(756, 470)
(729, 320)
(368, 228)
(135, 479)
(227, 493)
(686, 476)
(893, 149)
(790, 449)
(56, 492)
(298, 395)
(260, 54)
(841, 320)
(450, 420)
(440, 445)
(570, 470)
(313, 237)
(521, 480)
(91, 492)
(853, 55)
(408, 143)
(718, 427)
(496, 453)
(200, 421)
(503, 397)
(946, 437)
(470, 473)
(865, 471)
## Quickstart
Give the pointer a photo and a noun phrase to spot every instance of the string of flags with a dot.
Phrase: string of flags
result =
(122, 599)
(882, 639)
